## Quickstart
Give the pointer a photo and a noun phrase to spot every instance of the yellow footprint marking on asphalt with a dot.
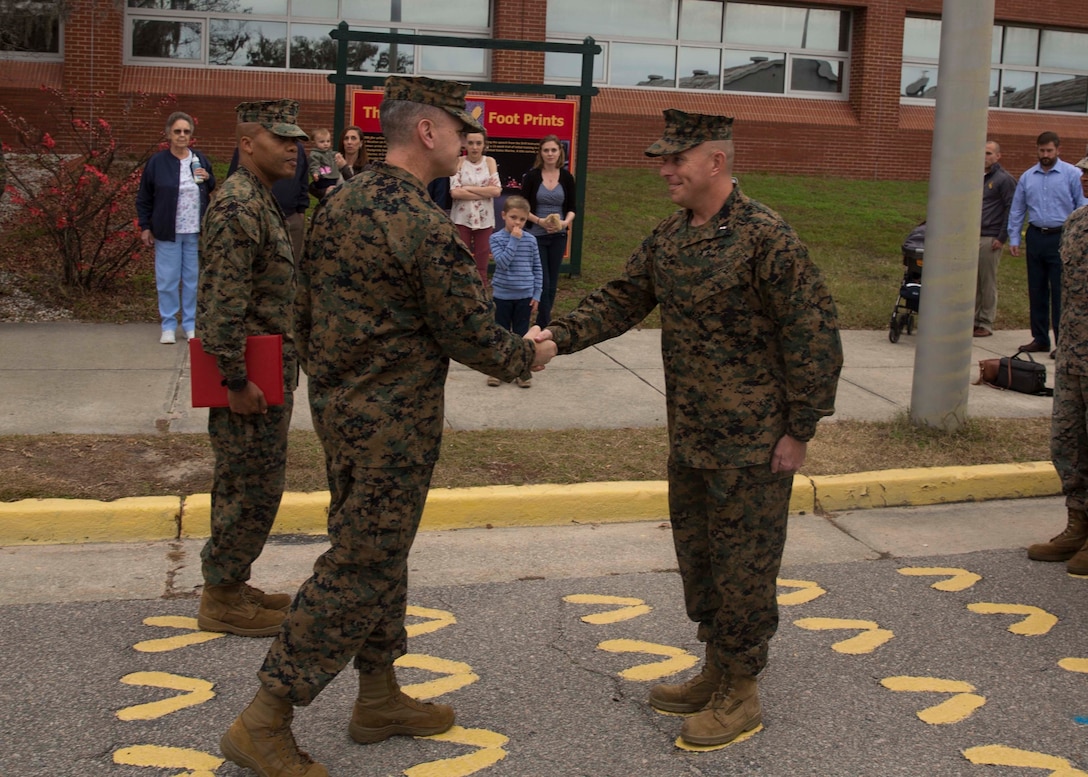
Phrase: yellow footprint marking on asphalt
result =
(807, 591)
(196, 763)
(631, 607)
(680, 743)
(957, 580)
(951, 710)
(677, 659)
(870, 638)
(490, 753)
(1001, 755)
(1036, 623)
(196, 691)
(457, 675)
(436, 619)
(1074, 664)
(194, 637)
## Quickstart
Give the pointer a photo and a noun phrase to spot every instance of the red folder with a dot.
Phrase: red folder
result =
(264, 366)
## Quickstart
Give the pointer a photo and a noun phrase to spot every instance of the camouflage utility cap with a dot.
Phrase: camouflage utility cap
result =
(447, 95)
(687, 130)
(277, 116)
(1083, 164)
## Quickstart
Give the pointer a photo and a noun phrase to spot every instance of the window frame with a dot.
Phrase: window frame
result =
(1000, 68)
(607, 42)
(205, 18)
(40, 56)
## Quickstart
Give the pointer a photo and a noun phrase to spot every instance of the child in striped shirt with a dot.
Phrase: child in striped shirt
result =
(518, 278)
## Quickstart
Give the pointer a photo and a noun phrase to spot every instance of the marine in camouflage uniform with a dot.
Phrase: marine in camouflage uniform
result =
(247, 285)
(752, 356)
(388, 294)
(1069, 421)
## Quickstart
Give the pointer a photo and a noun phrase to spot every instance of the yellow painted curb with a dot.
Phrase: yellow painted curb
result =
(494, 506)
(545, 505)
(32, 521)
(935, 485)
(60, 521)
(300, 513)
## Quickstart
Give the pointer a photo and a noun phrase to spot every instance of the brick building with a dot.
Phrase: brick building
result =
(822, 87)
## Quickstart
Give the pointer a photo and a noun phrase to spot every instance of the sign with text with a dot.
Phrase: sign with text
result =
(514, 127)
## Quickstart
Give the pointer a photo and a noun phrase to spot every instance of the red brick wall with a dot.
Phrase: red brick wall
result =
(868, 136)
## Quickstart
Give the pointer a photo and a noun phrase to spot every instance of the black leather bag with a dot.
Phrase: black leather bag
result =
(1018, 372)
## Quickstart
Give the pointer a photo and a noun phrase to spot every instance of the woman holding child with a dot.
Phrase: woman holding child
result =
(549, 188)
(351, 158)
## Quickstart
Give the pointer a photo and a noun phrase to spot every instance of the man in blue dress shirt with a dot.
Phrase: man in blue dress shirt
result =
(1047, 193)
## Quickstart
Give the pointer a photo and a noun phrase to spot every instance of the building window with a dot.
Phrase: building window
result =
(294, 34)
(705, 44)
(30, 29)
(1031, 69)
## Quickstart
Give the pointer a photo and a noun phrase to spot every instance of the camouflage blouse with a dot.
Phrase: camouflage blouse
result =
(749, 332)
(388, 294)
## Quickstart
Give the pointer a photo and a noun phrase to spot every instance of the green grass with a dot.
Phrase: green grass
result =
(853, 229)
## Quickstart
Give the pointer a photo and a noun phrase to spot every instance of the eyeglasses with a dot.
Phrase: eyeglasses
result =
(182, 132)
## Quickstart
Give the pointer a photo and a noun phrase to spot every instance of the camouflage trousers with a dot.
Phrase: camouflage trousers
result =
(729, 529)
(247, 485)
(353, 605)
(1069, 437)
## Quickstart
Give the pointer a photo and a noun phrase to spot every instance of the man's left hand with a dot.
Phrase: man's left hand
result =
(789, 454)
(248, 401)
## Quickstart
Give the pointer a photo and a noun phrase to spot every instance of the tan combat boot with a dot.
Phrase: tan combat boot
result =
(1078, 565)
(690, 696)
(383, 710)
(1066, 544)
(260, 739)
(732, 710)
(267, 601)
(230, 608)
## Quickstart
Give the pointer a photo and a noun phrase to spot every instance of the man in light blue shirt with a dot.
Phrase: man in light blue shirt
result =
(1046, 193)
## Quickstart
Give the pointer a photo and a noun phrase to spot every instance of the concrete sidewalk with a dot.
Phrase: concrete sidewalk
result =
(117, 379)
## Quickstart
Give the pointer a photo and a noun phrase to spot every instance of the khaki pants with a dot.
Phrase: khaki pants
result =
(986, 287)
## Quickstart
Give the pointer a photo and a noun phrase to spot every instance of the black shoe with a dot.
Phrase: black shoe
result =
(1034, 347)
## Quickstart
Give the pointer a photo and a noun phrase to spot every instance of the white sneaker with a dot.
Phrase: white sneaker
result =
(168, 337)
(493, 382)
(190, 334)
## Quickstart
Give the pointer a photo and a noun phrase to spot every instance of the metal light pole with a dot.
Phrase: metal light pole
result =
(942, 359)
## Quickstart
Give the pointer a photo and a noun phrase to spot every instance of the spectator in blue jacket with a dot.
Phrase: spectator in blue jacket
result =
(519, 278)
(293, 196)
(170, 204)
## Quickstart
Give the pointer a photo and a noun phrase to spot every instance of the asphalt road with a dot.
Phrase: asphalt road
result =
(874, 671)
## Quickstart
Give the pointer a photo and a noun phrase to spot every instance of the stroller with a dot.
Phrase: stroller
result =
(910, 290)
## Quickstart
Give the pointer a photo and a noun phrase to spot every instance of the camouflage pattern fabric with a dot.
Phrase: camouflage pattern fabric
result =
(279, 117)
(1069, 420)
(437, 92)
(352, 608)
(751, 349)
(749, 334)
(247, 485)
(388, 294)
(729, 581)
(247, 287)
(688, 130)
(247, 275)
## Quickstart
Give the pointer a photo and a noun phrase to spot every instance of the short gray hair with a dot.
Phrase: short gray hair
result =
(399, 119)
(175, 116)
